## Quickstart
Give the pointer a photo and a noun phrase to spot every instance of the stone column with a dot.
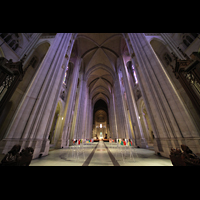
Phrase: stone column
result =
(32, 121)
(90, 117)
(139, 135)
(75, 124)
(120, 115)
(86, 122)
(123, 105)
(112, 117)
(115, 129)
(81, 108)
(69, 102)
(109, 118)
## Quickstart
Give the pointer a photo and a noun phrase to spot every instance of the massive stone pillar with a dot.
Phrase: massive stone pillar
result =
(112, 118)
(80, 109)
(88, 131)
(115, 129)
(32, 121)
(86, 113)
(69, 106)
(122, 129)
(83, 112)
(139, 135)
(124, 105)
(170, 121)
(73, 132)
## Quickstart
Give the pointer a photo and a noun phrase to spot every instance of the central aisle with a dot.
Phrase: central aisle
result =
(101, 156)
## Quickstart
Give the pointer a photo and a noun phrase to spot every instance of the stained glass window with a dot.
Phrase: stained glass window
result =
(136, 81)
(64, 81)
(135, 76)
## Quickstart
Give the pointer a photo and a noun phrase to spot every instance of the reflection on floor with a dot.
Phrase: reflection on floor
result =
(101, 154)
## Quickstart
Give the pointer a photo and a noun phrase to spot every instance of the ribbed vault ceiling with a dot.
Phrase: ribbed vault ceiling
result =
(99, 52)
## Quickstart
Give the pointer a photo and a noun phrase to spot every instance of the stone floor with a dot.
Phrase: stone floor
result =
(101, 154)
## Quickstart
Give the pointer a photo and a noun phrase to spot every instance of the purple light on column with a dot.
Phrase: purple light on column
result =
(64, 81)
(136, 80)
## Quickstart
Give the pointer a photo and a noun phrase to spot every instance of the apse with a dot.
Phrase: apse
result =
(100, 120)
(100, 105)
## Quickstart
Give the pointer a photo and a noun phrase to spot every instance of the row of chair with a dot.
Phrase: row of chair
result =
(125, 148)
(77, 149)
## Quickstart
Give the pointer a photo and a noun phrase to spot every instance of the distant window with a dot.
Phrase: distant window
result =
(188, 38)
(135, 76)
(136, 80)
(11, 39)
(65, 78)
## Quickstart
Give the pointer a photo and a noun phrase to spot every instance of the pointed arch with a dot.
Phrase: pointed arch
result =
(98, 97)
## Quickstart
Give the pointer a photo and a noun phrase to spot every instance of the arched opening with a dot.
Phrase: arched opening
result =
(12, 39)
(101, 121)
(188, 38)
